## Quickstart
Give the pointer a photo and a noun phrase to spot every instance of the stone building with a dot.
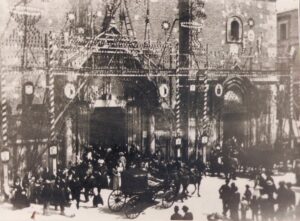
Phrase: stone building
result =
(238, 36)
(288, 45)
(237, 44)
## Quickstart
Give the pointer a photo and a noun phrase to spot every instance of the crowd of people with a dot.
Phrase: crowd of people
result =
(101, 168)
(270, 204)
(98, 169)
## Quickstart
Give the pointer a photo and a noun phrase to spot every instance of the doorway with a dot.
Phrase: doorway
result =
(108, 127)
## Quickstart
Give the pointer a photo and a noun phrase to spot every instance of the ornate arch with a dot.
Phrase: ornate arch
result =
(239, 93)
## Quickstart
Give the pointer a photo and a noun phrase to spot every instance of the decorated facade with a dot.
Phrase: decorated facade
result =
(116, 73)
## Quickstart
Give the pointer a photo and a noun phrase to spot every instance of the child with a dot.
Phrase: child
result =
(254, 205)
(248, 193)
(117, 170)
(244, 208)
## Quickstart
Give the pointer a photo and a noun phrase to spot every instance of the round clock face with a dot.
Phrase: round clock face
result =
(165, 25)
(219, 90)
(164, 90)
(70, 91)
(29, 89)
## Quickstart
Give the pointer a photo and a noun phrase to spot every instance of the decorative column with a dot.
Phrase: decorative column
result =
(151, 133)
(205, 119)
(253, 131)
(177, 103)
(291, 103)
(68, 140)
(177, 106)
(4, 110)
(53, 158)
(273, 113)
(184, 15)
(4, 127)
(51, 88)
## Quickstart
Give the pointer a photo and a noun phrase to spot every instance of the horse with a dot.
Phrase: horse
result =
(197, 170)
(195, 180)
(230, 165)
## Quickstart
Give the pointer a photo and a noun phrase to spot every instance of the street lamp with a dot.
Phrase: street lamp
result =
(5, 159)
(204, 138)
(204, 141)
(53, 155)
(178, 146)
(5, 156)
(165, 25)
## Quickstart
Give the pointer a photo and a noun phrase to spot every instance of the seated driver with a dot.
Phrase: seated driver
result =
(152, 181)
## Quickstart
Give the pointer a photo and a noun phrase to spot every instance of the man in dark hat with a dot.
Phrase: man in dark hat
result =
(176, 215)
(224, 192)
(282, 200)
(248, 194)
(187, 215)
(46, 196)
(59, 197)
(234, 202)
(291, 196)
(184, 179)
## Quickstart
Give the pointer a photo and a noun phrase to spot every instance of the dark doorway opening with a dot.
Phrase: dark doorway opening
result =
(108, 127)
(234, 126)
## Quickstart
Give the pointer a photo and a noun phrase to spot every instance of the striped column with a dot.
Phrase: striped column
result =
(51, 88)
(291, 94)
(205, 103)
(4, 110)
(177, 103)
(205, 113)
(291, 107)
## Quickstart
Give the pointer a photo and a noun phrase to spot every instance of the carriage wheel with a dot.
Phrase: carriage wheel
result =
(116, 200)
(168, 199)
(191, 189)
(132, 208)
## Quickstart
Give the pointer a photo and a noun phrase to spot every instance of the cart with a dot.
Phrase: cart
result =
(136, 195)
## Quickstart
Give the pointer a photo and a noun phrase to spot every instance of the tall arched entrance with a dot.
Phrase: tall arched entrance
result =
(237, 111)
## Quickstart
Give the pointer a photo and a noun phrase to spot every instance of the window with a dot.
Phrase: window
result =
(283, 31)
(234, 30)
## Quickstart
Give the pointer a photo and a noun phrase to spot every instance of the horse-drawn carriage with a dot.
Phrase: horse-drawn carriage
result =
(136, 193)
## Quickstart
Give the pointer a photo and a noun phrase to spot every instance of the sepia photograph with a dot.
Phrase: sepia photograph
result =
(150, 110)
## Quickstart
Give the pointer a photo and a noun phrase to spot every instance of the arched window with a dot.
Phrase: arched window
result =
(234, 30)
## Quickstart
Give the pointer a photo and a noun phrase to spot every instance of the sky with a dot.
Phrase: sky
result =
(282, 5)
(286, 5)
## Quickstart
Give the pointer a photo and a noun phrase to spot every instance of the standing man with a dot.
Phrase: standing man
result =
(46, 196)
(187, 215)
(184, 179)
(234, 203)
(291, 199)
(282, 200)
(248, 194)
(224, 192)
(176, 215)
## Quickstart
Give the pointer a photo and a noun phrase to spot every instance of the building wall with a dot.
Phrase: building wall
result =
(213, 34)
(290, 18)
(264, 17)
